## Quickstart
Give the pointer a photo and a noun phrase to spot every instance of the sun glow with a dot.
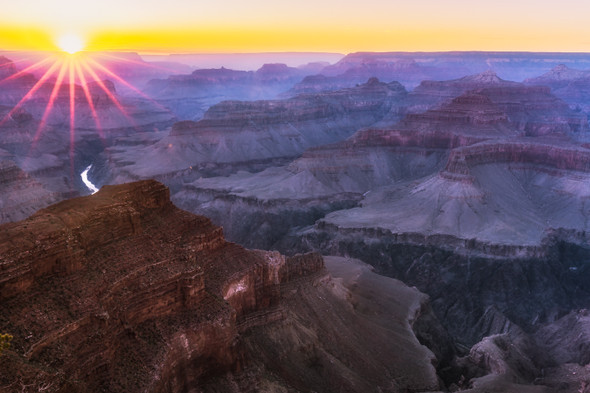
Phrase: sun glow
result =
(72, 83)
(70, 43)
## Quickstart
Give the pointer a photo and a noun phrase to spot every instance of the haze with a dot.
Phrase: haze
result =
(306, 25)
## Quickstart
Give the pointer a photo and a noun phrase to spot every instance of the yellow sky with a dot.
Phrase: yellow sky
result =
(303, 25)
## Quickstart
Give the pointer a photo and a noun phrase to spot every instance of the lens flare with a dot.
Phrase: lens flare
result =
(70, 80)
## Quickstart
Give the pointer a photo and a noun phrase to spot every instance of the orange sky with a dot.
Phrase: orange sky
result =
(303, 25)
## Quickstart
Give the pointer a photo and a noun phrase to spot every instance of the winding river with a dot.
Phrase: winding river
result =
(88, 183)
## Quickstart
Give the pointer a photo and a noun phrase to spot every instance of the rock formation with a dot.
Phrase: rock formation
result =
(486, 189)
(122, 291)
(190, 95)
(237, 134)
(474, 190)
(571, 85)
(443, 145)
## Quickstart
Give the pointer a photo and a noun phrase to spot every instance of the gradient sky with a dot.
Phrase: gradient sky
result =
(300, 25)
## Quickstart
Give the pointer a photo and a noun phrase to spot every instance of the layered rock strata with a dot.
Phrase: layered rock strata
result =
(122, 291)
(236, 134)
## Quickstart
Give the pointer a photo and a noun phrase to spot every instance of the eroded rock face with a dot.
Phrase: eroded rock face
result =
(122, 291)
(479, 202)
(235, 134)
(461, 163)
(571, 85)
(190, 95)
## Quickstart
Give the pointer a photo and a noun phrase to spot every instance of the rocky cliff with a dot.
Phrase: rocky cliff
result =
(460, 151)
(122, 291)
(237, 135)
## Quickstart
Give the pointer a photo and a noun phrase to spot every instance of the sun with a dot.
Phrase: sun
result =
(70, 43)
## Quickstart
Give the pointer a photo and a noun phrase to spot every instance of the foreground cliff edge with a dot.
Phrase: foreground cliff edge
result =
(123, 292)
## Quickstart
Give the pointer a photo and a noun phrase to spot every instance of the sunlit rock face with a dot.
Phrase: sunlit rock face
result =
(122, 291)
(235, 134)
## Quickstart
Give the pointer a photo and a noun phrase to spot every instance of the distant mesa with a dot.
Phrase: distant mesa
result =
(487, 77)
(559, 75)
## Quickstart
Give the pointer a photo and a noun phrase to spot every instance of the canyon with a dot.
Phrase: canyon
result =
(418, 223)
(236, 134)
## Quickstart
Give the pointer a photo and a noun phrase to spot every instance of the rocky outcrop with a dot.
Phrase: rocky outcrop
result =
(571, 85)
(122, 291)
(558, 77)
(568, 339)
(559, 156)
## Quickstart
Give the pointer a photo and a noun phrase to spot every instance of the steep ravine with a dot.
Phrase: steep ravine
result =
(527, 291)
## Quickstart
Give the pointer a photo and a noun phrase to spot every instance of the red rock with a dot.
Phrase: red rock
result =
(122, 291)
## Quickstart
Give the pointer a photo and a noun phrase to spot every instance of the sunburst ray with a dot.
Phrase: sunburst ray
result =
(28, 69)
(49, 107)
(127, 84)
(108, 93)
(31, 92)
(72, 113)
(89, 100)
